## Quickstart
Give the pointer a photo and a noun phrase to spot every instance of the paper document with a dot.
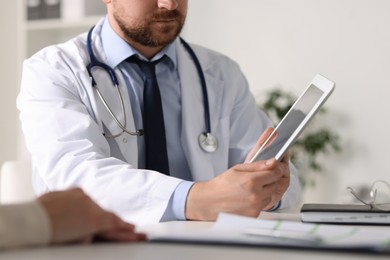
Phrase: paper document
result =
(239, 230)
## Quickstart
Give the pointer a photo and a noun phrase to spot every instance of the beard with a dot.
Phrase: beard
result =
(153, 31)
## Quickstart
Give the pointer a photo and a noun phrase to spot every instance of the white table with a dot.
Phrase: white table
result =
(147, 251)
(165, 251)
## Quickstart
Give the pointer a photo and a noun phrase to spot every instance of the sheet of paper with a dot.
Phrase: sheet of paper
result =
(337, 236)
(239, 230)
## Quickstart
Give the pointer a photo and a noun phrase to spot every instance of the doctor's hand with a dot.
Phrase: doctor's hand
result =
(284, 182)
(75, 217)
(244, 189)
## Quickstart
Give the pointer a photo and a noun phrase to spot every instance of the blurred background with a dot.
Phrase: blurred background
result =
(279, 44)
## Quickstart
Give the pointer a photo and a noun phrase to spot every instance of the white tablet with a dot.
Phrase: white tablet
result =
(296, 119)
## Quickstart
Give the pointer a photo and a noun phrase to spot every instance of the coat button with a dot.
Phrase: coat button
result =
(124, 140)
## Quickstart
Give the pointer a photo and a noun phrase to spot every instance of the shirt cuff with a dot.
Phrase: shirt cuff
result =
(176, 205)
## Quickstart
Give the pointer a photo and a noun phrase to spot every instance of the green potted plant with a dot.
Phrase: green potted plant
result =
(314, 141)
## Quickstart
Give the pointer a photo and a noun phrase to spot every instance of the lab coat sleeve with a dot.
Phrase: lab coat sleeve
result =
(292, 197)
(67, 145)
(247, 122)
(24, 224)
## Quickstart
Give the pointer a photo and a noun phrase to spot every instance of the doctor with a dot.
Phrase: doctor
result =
(84, 116)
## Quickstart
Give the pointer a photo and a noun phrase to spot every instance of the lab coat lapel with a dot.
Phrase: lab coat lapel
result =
(127, 145)
(193, 120)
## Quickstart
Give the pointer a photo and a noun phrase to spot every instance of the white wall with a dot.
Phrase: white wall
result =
(9, 80)
(285, 42)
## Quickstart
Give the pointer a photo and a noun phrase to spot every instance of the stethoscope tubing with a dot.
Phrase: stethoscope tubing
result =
(203, 84)
(207, 136)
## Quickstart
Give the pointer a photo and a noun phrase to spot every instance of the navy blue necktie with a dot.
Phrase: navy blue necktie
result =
(153, 118)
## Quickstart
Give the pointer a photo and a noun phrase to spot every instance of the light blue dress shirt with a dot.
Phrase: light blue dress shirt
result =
(117, 51)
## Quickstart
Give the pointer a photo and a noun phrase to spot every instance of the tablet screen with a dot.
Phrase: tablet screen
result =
(291, 122)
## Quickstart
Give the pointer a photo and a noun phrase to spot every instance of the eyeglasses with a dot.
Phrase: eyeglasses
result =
(379, 196)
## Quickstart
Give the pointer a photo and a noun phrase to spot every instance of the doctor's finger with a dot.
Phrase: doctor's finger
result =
(109, 221)
(284, 164)
(265, 193)
(266, 179)
(256, 166)
(286, 158)
(262, 139)
(122, 236)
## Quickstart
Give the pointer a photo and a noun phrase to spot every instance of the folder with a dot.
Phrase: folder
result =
(51, 9)
(43, 9)
(344, 214)
(34, 9)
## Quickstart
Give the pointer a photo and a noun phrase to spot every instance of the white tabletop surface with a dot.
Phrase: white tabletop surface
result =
(172, 251)
(156, 251)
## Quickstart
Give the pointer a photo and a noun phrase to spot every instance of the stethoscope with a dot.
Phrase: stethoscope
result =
(207, 141)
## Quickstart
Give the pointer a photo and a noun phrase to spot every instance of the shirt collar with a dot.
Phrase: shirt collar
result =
(123, 50)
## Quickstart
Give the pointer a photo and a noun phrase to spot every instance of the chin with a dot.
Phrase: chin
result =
(163, 39)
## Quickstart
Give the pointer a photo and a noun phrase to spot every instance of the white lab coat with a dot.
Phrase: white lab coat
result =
(63, 120)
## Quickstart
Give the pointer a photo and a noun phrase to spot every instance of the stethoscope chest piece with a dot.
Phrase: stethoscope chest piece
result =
(208, 142)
